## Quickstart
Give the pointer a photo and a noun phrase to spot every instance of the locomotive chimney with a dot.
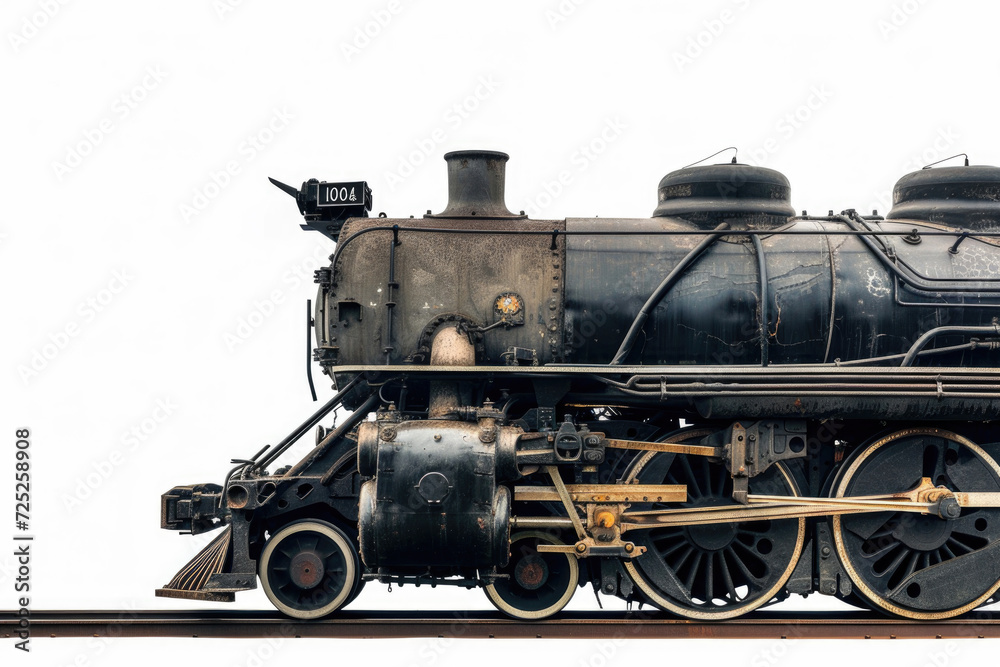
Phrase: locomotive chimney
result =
(476, 185)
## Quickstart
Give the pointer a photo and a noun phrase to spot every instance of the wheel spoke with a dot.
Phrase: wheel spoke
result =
(692, 572)
(683, 558)
(957, 547)
(881, 549)
(755, 527)
(741, 566)
(981, 523)
(727, 577)
(690, 479)
(709, 576)
(910, 568)
(666, 552)
(751, 560)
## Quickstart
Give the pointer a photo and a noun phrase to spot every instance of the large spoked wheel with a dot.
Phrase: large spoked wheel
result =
(713, 571)
(916, 565)
(309, 569)
(537, 584)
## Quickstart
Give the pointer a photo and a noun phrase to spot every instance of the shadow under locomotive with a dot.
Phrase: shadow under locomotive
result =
(707, 410)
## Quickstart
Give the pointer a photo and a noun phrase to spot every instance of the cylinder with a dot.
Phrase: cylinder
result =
(435, 499)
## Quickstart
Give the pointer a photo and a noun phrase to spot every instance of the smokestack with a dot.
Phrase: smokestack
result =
(476, 185)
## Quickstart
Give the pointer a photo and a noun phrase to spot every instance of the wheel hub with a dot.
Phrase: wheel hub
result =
(531, 572)
(711, 536)
(923, 532)
(306, 569)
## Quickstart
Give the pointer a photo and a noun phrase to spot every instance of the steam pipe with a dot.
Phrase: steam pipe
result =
(933, 333)
(661, 291)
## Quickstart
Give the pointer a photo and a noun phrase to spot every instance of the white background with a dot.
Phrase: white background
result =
(146, 262)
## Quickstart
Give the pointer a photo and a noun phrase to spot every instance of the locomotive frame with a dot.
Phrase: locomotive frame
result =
(551, 419)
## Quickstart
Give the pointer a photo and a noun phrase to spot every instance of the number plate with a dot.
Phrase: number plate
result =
(341, 194)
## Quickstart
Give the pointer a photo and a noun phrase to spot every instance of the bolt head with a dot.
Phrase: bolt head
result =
(949, 509)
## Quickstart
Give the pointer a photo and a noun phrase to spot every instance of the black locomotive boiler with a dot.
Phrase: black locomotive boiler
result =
(707, 410)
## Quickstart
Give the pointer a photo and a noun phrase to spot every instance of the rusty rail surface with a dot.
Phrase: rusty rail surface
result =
(490, 625)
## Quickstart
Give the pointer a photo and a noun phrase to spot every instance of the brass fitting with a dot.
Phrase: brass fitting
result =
(605, 519)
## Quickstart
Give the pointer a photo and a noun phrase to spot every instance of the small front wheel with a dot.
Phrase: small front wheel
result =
(537, 584)
(309, 569)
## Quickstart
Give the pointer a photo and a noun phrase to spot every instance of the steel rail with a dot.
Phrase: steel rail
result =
(641, 624)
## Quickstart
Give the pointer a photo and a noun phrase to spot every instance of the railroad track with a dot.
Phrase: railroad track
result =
(489, 625)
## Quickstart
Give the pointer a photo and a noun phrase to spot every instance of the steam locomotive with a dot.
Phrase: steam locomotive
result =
(707, 410)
